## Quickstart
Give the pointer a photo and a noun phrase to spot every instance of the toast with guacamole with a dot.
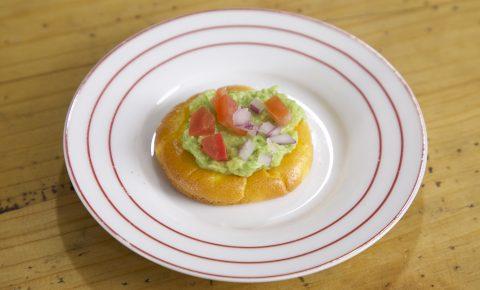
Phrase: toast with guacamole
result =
(235, 145)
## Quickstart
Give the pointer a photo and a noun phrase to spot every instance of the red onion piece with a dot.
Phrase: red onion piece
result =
(274, 132)
(251, 129)
(266, 128)
(283, 139)
(265, 159)
(247, 149)
(241, 117)
(248, 126)
(257, 106)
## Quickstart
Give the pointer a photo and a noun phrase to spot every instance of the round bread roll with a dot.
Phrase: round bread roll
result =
(216, 188)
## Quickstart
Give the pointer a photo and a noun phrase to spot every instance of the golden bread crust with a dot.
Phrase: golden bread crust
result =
(212, 187)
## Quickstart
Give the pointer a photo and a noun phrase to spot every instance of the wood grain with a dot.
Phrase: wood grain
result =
(49, 241)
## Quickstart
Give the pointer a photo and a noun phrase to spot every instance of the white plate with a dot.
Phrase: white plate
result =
(368, 134)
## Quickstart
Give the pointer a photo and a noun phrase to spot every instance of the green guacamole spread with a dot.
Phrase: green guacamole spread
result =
(235, 165)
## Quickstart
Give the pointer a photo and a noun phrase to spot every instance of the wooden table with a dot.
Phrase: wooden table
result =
(47, 238)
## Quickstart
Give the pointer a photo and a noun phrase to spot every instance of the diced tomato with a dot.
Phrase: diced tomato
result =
(214, 147)
(278, 111)
(202, 123)
(225, 106)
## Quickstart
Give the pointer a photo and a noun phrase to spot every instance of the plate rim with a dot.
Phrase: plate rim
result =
(330, 263)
